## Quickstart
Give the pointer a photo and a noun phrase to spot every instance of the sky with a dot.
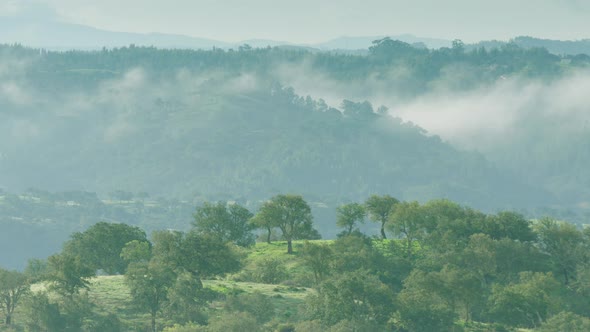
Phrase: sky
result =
(314, 21)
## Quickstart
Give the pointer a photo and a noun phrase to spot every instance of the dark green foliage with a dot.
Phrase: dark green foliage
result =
(68, 273)
(348, 215)
(227, 222)
(509, 225)
(148, 284)
(70, 313)
(186, 300)
(256, 304)
(136, 251)
(43, 315)
(379, 209)
(171, 280)
(355, 296)
(100, 246)
(420, 310)
(564, 243)
(289, 213)
(201, 255)
(270, 271)
(310, 326)
(407, 221)
(13, 286)
(354, 253)
(110, 323)
(36, 269)
(527, 303)
(233, 322)
(318, 258)
(513, 257)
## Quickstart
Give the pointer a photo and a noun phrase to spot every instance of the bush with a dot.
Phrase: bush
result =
(566, 321)
(255, 304)
(270, 271)
(233, 322)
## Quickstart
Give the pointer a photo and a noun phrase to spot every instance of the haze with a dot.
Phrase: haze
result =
(236, 20)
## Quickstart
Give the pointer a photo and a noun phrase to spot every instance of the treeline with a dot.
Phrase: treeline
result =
(445, 267)
(423, 65)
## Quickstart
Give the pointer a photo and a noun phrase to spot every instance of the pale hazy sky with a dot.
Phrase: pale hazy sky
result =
(309, 21)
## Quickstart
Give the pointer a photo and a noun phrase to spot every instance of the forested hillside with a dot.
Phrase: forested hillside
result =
(227, 124)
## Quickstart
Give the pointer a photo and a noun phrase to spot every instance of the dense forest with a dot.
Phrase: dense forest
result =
(236, 123)
(437, 266)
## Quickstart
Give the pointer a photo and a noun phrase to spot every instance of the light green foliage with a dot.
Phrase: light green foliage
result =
(291, 214)
(189, 327)
(227, 222)
(565, 321)
(13, 286)
(348, 215)
(379, 209)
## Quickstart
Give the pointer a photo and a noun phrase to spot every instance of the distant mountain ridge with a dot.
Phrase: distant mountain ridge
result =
(63, 36)
(55, 35)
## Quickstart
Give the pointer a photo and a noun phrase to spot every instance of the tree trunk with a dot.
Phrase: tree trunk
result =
(289, 247)
(268, 236)
(8, 319)
(153, 321)
(383, 230)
